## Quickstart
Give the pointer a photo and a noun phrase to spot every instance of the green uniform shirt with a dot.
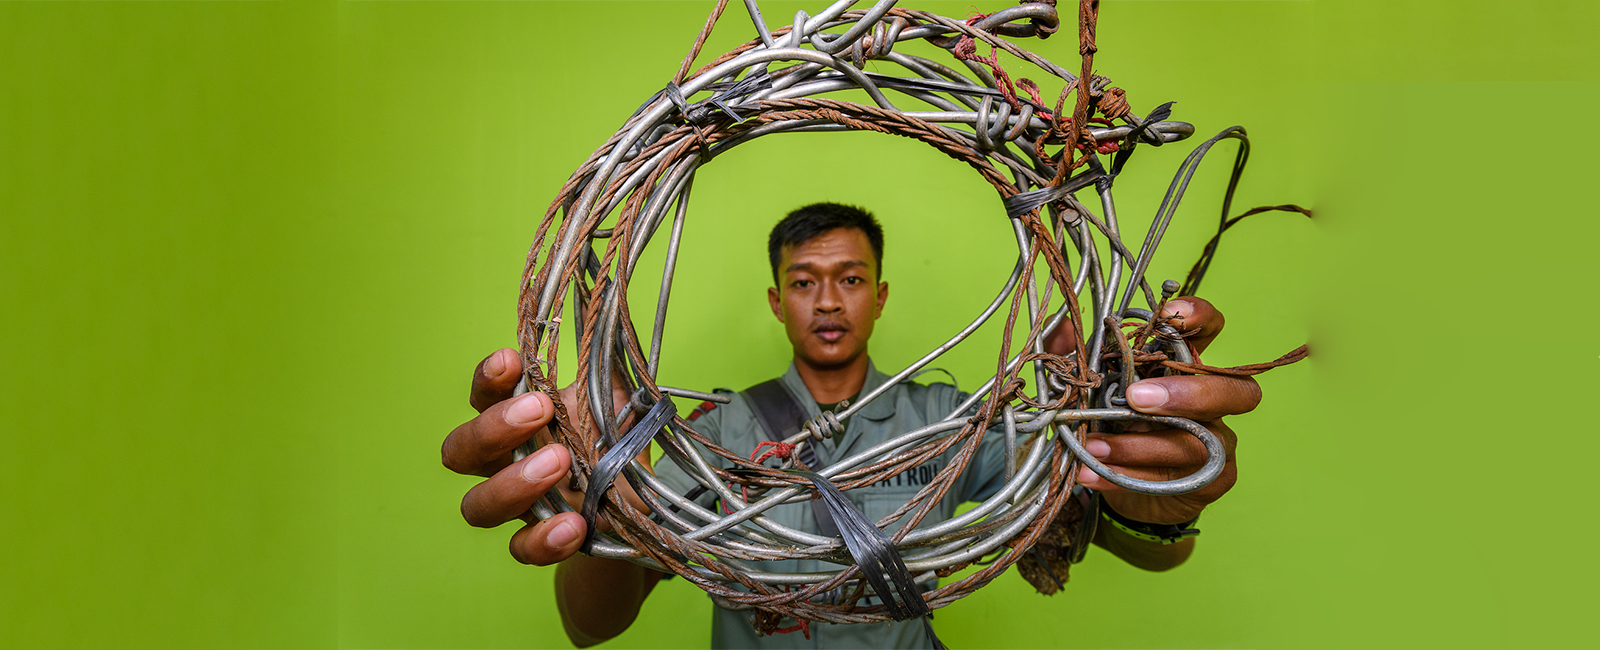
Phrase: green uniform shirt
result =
(903, 408)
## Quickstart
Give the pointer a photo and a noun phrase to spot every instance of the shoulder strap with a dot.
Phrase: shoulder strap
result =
(780, 416)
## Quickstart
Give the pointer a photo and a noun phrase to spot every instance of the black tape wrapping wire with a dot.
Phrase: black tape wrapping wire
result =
(880, 562)
(617, 458)
(1021, 204)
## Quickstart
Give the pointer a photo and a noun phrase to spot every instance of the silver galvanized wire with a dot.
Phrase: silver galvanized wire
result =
(646, 172)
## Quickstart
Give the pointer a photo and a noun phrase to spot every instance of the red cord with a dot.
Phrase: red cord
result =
(779, 449)
(803, 625)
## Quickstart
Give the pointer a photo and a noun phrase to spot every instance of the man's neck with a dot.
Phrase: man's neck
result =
(830, 385)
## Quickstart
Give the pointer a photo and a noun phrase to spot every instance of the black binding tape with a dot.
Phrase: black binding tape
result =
(1021, 204)
(879, 560)
(615, 459)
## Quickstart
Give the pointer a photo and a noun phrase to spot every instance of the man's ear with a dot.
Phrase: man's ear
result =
(883, 297)
(775, 301)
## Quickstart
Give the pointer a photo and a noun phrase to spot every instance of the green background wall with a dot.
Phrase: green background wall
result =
(250, 251)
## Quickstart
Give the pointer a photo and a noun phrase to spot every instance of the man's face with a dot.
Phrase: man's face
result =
(829, 297)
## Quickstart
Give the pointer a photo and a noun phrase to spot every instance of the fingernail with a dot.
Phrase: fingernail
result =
(1146, 395)
(1098, 448)
(1087, 476)
(541, 466)
(1179, 308)
(526, 409)
(494, 365)
(562, 536)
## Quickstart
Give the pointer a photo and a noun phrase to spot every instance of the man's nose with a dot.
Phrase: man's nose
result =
(829, 300)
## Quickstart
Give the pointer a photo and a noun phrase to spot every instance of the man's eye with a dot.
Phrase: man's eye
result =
(800, 284)
(853, 280)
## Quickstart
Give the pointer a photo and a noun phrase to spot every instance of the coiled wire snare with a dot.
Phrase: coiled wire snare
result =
(1035, 154)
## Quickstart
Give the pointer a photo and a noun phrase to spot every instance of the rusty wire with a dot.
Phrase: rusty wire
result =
(641, 178)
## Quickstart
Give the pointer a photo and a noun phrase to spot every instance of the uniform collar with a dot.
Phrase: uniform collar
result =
(881, 408)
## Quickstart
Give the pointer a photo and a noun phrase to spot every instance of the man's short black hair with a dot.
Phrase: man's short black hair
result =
(812, 221)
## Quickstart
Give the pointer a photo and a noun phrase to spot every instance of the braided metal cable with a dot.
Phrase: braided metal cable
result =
(640, 179)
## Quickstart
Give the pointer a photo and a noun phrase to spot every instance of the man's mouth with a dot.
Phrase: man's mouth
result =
(830, 332)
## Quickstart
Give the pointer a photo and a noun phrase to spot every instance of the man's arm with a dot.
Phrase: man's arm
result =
(1143, 554)
(598, 598)
(1148, 452)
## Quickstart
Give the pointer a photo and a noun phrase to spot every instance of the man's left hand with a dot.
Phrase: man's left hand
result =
(1147, 451)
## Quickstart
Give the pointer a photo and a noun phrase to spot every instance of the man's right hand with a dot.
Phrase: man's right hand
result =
(597, 598)
(483, 446)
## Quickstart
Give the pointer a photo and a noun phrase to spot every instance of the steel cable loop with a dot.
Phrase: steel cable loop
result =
(614, 205)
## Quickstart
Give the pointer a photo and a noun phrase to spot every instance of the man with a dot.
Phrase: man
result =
(828, 293)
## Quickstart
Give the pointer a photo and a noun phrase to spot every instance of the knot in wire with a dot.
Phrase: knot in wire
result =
(1012, 389)
(824, 426)
(1112, 103)
(1043, 27)
(779, 449)
(1088, 16)
(965, 48)
(641, 400)
(675, 96)
(878, 43)
(1062, 374)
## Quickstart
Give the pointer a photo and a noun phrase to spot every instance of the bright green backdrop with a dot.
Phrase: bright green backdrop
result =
(249, 252)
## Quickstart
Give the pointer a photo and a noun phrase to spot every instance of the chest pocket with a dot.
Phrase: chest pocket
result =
(881, 499)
